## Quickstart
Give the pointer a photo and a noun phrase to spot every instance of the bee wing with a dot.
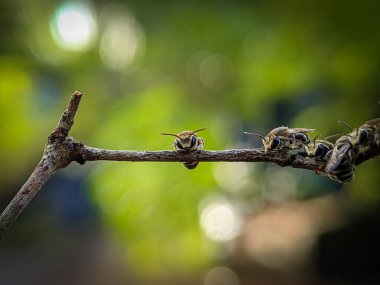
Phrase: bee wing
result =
(301, 130)
(278, 131)
(337, 157)
(291, 140)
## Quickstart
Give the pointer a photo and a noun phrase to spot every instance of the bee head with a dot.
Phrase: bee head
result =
(186, 140)
(321, 150)
(269, 142)
(275, 142)
(302, 137)
(360, 136)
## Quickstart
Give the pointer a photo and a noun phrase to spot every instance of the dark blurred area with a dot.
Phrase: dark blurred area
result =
(148, 67)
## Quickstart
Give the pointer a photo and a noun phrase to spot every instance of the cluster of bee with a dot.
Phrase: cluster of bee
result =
(339, 157)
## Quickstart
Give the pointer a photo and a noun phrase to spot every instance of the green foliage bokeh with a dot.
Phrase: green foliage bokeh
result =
(248, 66)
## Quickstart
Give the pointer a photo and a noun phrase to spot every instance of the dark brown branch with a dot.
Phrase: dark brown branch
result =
(44, 170)
(284, 158)
(61, 150)
(233, 155)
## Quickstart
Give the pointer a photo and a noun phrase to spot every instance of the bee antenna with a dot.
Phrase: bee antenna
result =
(347, 125)
(256, 135)
(199, 130)
(167, 134)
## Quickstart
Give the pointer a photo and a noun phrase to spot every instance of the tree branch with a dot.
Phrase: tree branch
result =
(61, 150)
(58, 153)
(67, 118)
(284, 158)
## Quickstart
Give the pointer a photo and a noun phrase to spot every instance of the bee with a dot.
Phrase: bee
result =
(284, 137)
(320, 148)
(348, 147)
(341, 164)
(187, 141)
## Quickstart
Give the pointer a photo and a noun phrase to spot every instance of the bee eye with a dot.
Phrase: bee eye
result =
(302, 137)
(193, 141)
(275, 143)
(363, 136)
(178, 144)
(321, 150)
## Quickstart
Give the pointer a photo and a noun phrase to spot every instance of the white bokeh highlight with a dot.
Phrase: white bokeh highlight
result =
(220, 220)
(74, 26)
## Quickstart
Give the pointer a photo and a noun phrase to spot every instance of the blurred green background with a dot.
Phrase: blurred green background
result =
(148, 67)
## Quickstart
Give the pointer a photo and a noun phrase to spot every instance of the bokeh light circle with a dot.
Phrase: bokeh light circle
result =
(74, 26)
